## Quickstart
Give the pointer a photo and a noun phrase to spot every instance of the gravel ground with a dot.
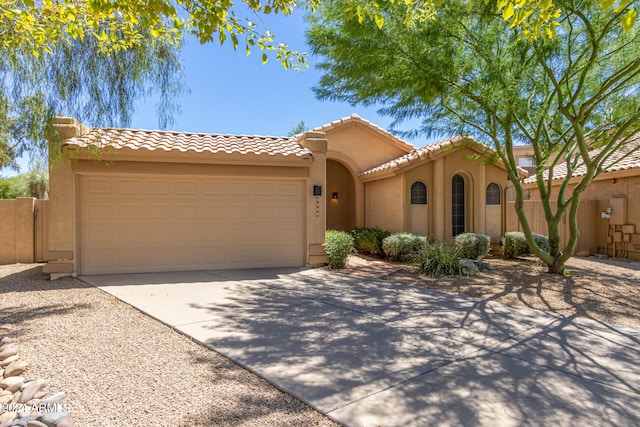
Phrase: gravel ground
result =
(120, 367)
(604, 290)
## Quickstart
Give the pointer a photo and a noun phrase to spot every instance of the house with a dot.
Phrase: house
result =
(609, 213)
(140, 201)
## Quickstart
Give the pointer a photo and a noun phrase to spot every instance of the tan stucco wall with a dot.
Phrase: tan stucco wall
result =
(384, 204)
(61, 228)
(437, 175)
(593, 227)
(62, 232)
(17, 230)
(341, 212)
(361, 147)
(316, 205)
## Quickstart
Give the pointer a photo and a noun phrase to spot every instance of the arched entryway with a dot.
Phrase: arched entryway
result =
(341, 197)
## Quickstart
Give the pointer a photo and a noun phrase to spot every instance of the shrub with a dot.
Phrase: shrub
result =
(339, 245)
(403, 246)
(369, 240)
(473, 246)
(514, 244)
(438, 260)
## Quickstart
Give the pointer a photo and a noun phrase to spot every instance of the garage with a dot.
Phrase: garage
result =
(149, 223)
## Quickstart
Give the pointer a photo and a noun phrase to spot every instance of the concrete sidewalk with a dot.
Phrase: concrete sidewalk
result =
(371, 353)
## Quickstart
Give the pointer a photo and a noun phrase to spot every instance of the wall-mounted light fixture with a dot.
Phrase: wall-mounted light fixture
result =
(613, 181)
(334, 196)
(317, 190)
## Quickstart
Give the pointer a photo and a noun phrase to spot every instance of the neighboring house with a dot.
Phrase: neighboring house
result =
(141, 201)
(610, 207)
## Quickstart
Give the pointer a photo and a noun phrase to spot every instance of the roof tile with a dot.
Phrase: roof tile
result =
(354, 118)
(416, 155)
(190, 142)
(624, 159)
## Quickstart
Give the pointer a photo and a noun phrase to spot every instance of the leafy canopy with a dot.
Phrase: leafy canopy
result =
(93, 58)
(574, 97)
(41, 26)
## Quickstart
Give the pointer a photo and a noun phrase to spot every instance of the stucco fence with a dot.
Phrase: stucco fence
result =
(594, 230)
(22, 230)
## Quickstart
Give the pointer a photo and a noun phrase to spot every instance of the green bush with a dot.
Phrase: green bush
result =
(438, 260)
(514, 244)
(472, 246)
(339, 245)
(403, 246)
(369, 240)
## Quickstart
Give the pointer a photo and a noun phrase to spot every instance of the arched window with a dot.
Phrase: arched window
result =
(493, 194)
(418, 193)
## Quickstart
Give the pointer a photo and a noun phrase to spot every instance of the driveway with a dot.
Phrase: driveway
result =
(371, 353)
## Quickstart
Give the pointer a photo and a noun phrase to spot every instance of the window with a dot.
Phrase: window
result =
(418, 193)
(457, 205)
(493, 194)
(524, 162)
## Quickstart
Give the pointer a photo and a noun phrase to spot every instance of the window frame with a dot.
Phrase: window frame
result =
(419, 199)
(496, 192)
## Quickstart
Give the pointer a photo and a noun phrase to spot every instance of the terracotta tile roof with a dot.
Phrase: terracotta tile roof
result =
(623, 159)
(354, 118)
(427, 152)
(190, 142)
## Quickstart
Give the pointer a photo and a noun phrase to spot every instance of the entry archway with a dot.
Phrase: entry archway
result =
(341, 197)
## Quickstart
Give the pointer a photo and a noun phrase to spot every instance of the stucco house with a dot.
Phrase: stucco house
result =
(141, 201)
(609, 215)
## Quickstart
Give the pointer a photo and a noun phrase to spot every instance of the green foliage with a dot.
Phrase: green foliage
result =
(472, 246)
(402, 246)
(297, 129)
(78, 80)
(438, 260)
(14, 187)
(339, 245)
(573, 97)
(36, 182)
(369, 240)
(514, 244)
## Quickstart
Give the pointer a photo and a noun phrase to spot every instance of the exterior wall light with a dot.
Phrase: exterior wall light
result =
(334, 196)
(317, 190)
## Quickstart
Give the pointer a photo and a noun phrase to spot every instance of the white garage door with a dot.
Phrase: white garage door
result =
(145, 224)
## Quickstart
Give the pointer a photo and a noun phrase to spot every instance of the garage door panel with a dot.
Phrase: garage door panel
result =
(130, 187)
(98, 186)
(141, 224)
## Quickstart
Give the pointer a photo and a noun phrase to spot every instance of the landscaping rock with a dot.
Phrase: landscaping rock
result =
(15, 368)
(12, 384)
(5, 339)
(29, 390)
(6, 399)
(8, 351)
(23, 421)
(6, 418)
(67, 422)
(54, 398)
(51, 419)
(9, 360)
(482, 265)
(36, 423)
(469, 265)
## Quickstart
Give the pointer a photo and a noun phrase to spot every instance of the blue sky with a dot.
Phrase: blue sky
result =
(230, 92)
(234, 93)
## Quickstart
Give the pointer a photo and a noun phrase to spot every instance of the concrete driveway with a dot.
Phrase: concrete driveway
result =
(371, 353)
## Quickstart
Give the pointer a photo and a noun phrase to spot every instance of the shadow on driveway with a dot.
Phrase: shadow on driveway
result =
(368, 352)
